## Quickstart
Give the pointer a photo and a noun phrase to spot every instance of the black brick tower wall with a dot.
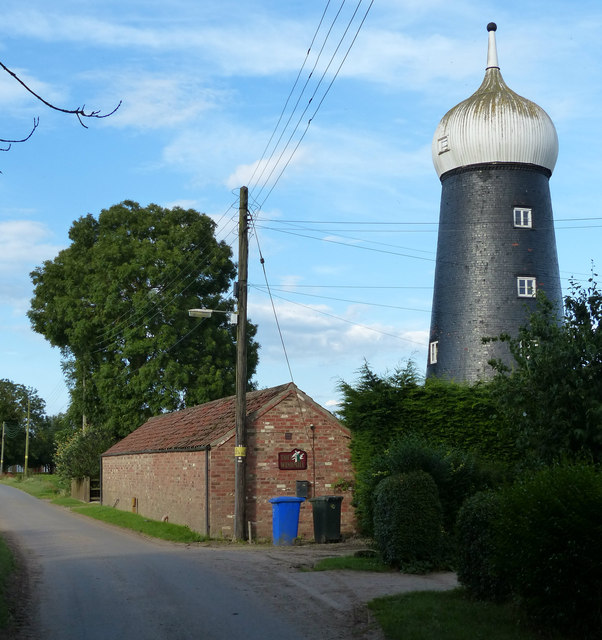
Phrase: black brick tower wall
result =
(480, 254)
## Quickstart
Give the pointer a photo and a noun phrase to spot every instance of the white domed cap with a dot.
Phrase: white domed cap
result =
(494, 125)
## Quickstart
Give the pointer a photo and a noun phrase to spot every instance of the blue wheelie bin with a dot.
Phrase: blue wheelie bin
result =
(285, 519)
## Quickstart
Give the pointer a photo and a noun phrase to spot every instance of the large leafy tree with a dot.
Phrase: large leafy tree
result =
(15, 400)
(116, 303)
(553, 395)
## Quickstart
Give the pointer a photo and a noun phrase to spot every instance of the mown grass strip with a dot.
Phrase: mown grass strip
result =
(352, 563)
(433, 615)
(136, 522)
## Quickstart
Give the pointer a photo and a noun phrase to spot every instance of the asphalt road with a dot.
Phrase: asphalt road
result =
(93, 581)
(97, 582)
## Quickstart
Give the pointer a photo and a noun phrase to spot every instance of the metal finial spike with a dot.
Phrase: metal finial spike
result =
(492, 62)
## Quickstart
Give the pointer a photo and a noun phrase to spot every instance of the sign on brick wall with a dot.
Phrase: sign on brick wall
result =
(292, 460)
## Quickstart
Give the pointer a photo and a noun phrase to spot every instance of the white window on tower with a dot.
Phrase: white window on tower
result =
(523, 217)
(433, 352)
(526, 287)
(443, 144)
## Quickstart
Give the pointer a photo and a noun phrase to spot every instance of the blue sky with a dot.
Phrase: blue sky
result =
(347, 224)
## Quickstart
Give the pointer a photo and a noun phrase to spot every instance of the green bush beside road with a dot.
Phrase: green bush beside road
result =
(408, 521)
(537, 542)
(7, 566)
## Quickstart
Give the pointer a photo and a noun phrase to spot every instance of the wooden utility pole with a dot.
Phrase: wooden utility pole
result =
(27, 437)
(240, 451)
(2, 451)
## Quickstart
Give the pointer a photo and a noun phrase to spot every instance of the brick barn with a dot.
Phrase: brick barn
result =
(181, 465)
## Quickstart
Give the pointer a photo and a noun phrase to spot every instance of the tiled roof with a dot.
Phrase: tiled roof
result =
(195, 427)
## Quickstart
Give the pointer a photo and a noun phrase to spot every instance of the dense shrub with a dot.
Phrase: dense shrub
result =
(406, 455)
(552, 398)
(548, 543)
(476, 547)
(381, 409)
(457, 475)
(408, 521)
(78, 455)
(465, 475)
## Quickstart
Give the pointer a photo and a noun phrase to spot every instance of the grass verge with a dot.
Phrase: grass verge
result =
(434, 615)
(7, 566)
(353, 563)
(135, 522)
(42, 486)
(50, 487)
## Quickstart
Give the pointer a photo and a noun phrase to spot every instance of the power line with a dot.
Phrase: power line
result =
(265, 275)
(345, 320)
(339, 286)
(397, 222)
(296, 106)
(370, 304)
(370, 248)
(250, 183)
(364, 248)
(339, 235)
(323, 97)
(256, 195)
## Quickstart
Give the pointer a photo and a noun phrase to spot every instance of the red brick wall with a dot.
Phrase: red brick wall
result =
(164, 484)
(173, 484)
(222, 489)
(327, 447)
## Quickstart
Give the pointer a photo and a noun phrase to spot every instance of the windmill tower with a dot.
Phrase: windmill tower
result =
(496, 250)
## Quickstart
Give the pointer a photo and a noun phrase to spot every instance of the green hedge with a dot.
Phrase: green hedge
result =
(457, 475)
(7, 566)
(381, 409)
(408, 522)
(549, 543)
(539, 541)
(476, 541)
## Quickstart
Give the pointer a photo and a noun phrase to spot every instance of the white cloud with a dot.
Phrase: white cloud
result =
(322, 334)
(15, 97)
(208, 154)
(289, 281)
(183, 204)
(203, 153)
(24, 242)
(267, 171)
(366, 157)
(161, 100)
(55, 26)
(410, 62)
(235, 47)
(23, 245)
(329, 156)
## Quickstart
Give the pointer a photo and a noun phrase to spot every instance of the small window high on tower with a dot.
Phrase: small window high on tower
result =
(526, 287)
(433, 352)
(523, 217)
(443, 144)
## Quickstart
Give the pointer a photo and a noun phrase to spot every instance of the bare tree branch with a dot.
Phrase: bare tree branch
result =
(79, 113)
(36, 122)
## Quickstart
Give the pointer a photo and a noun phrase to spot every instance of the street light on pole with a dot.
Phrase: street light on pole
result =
(240, 320)
(207, 313)
(240, 450)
